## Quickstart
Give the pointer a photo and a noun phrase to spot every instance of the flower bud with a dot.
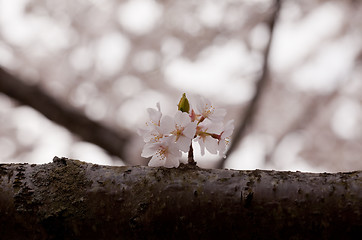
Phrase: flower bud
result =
(184, 105)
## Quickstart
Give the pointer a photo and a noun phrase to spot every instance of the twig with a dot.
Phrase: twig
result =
(260, 86)
(191, 160)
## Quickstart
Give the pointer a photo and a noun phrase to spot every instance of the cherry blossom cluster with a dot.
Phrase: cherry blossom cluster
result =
(167, 137)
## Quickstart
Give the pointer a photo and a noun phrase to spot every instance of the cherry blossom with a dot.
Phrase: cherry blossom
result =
(166, 136)
(164, 153)
(205, 109)
(184, 130)
(155, 117)
(225, 136)
(205, 137)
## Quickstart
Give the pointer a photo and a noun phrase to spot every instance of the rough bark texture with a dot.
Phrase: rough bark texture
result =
(70, 199)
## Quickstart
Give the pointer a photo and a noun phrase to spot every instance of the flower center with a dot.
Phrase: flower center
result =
(156, 137)
(162, 152)
(178, 131)
(209, 109)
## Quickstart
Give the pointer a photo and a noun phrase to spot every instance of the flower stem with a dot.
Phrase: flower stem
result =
(191, 160)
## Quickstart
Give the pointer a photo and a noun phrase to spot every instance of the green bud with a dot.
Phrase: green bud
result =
(184, 105)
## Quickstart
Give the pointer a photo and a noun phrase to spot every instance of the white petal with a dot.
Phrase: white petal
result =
(156, 161)
(183, 143)
(202, 145)
(173, 156)
(213, 127)
(218, 115)
(222, 147)
(172, 161)
(211, 145)
(152, 136)
(167, 124)
(149, 149)
(199, 105)
(169, 141)
(154, 115)
(190, 130)
(182, 118)
(229, 128)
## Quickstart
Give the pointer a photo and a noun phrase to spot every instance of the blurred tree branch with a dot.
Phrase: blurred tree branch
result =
(250, 112)
(310, 112)
(112, 141)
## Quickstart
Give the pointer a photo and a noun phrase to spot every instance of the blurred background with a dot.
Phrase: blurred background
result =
(76, 78)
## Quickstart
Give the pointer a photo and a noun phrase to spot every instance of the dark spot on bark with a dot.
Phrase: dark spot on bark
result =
(10, 174)
(18, 178)
(256, 173)
(250, 183)
(223, 179)
(95, 167)
(21, 168)
(55, 227)
(2, 170)
(134, 222)
(23, 200)
(196, 193)
(60, 161)
(145, 181)
(248, 199)
(142, 207)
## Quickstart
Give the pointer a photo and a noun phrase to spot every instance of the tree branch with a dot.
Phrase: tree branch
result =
(310, 112)
(69, 199)
(250, 112)
(112, 141)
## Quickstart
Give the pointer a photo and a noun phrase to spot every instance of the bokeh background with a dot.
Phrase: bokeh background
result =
(288, 72)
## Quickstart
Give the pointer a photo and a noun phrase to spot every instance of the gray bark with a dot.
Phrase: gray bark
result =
(70, 199)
